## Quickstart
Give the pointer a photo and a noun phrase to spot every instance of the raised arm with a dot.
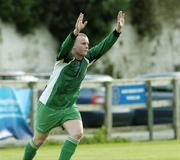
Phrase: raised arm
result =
(68, 43)
(66, 46)
(100, 49)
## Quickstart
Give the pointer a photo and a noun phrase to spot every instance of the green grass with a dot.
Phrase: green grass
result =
(162, 150)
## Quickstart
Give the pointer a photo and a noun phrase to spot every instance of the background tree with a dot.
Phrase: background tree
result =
(60, 15)
(143, 18)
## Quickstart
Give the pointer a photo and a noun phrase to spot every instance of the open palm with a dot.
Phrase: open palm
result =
(120, 21)
(80, 25)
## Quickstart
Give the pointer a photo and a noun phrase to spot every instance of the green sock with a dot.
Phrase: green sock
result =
(68, 149)
(30, 151)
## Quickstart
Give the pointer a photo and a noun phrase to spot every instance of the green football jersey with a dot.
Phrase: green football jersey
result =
(63, 87)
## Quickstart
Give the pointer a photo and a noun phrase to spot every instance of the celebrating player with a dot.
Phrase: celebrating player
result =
(57, 104)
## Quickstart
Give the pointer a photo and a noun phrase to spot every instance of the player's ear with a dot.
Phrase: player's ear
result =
(74, 46)
(73, 49)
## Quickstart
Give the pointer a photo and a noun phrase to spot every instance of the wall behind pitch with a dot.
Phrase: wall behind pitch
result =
(133, 54)
(32, 53)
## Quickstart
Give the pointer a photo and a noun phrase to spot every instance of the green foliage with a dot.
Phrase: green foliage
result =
(143, 17)
(100, 137)
(60, 15)
(6, 10)
(18, 12)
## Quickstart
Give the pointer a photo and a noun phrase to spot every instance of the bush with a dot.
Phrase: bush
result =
(100, 137)
(60, 15)
(143, 18)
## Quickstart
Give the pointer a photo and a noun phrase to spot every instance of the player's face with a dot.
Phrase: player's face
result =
(81, 45)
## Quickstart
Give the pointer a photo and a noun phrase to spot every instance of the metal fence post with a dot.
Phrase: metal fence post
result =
(176, 109)
(108, 109)
(34, 103)
(150, 110)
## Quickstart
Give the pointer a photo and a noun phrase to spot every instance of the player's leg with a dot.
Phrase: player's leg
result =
(43, 124)
(74, 128)
(75, 131)
(33, 145)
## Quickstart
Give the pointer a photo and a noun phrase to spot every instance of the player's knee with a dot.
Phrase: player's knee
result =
(78, 135)
(38, 141)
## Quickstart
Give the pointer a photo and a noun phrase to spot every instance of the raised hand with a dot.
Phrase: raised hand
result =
(80, 25)
(120, 21)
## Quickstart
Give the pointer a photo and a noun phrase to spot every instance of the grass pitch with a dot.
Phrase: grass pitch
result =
(162, 150)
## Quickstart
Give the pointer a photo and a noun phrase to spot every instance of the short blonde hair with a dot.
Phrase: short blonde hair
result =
(82, 34)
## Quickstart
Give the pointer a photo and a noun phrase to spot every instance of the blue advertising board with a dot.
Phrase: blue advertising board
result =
(129, 94)
(15, 106)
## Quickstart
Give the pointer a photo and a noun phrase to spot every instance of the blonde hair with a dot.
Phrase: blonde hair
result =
(82, 34)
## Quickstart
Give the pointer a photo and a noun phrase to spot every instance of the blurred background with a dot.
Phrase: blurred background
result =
(31, 32)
